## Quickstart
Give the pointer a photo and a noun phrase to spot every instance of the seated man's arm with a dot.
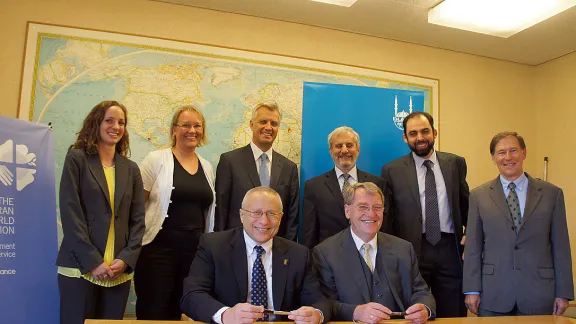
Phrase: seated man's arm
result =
(420, 292)
(198, 301)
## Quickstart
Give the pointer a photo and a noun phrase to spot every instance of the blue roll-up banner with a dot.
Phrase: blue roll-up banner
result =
(376, 114)
(28, 234)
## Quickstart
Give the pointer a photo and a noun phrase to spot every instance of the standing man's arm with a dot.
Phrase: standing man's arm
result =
(309, 218)
(223, 193)
(472, 281)
(293, 208)
(389, 219)
(559, 238)
(464, 194)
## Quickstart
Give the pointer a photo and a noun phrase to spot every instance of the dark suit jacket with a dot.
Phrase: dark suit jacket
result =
(529, 269)
(337, 263)
(323, 206)
(219, 276)
(86, 213)
(403, 215)
(236, 174)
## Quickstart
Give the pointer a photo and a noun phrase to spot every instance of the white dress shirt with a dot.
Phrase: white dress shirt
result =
(257, 153)
(353, 176)
(251, 257)
(446, 224)
(373, 247)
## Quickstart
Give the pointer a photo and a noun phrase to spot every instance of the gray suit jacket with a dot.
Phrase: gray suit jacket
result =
(529, 269)
(236, 174)
(337, 264)
(403, 216)
(86, 214)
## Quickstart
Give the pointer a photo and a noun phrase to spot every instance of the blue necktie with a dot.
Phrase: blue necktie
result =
(258, 285)
(431, 200)
(264, 174)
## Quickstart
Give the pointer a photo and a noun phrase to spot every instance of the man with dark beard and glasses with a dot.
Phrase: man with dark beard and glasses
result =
(323, 206)
(427, 205)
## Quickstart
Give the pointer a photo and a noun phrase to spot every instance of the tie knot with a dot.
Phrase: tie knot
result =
(428, 164)
(264, 157)
(259, 251)
(366, 247)
(345, 176)
(511, 185)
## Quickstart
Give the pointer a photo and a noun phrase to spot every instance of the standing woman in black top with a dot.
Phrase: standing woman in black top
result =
(180, 202)
(102, 213)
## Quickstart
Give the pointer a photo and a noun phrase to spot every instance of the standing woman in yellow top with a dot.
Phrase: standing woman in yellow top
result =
(180, 203)
(102, 213)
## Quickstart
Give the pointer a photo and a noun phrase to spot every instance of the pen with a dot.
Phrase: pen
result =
(270, 312)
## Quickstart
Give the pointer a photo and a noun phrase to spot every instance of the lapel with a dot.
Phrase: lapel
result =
(446, 168)
(121, 179)
(240, 260)
(95, 166)
(247, 157)
(276, 169)
(412, 178)
(280, 263)
(497, 195)
(334, 187)
(387, 265)
(533, 197)
(351, 259)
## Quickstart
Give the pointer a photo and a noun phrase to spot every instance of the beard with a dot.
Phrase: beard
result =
(422, 152)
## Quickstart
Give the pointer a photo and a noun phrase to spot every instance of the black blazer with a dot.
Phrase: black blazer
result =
(323, 206)
(86, 214)
(339, 267)
(403, 215)
(236, 174)
(219, 276)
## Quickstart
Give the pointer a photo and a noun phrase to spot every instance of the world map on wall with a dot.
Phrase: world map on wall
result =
(73, 71)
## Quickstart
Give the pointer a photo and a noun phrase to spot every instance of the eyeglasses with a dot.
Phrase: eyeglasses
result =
(378, 209)
(258, 214)
(187, 127)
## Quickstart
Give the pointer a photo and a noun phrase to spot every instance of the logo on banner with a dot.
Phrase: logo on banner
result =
(400, 115)
(25, 165)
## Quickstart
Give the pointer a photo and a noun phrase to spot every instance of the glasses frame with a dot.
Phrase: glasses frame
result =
(258, 214)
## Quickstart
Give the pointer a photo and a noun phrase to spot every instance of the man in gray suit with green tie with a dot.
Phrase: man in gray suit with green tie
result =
(517, 257)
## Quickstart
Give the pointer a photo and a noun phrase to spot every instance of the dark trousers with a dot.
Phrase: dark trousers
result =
(441, 267)
(158, 278)
(513, 312)
(81, 299)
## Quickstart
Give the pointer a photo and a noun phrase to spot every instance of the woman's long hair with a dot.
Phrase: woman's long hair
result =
(89, 135)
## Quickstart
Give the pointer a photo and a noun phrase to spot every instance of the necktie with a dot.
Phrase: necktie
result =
(365, 249)
(258, 287)
(346, 184)
(431, 200)
(514, 206)
(264, 174)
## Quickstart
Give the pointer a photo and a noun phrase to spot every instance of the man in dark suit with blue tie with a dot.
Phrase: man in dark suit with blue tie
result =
(253, 165)
(427, 205)
(239, 273)
(323, 206)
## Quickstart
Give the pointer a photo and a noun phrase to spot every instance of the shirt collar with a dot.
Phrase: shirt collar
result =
(258, 152)
(420, 160)
(521, 182)
(353, 173)
(359, 242)
(250, 244)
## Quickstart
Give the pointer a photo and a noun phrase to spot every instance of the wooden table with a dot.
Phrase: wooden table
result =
(463, 320)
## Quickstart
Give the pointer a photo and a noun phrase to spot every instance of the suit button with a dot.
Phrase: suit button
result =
(515, 248)
(379, 296)
(116, 217)
(512, 228)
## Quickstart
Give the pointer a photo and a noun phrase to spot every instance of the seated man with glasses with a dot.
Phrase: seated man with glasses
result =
(373, 276)
(239, 273)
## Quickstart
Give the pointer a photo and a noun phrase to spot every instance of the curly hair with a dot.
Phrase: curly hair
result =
(89, 135)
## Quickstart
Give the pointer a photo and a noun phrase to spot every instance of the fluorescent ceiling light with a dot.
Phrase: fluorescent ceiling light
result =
(343, 3)
(502, 18)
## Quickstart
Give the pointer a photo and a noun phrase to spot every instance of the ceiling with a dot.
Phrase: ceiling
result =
(407, 20)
